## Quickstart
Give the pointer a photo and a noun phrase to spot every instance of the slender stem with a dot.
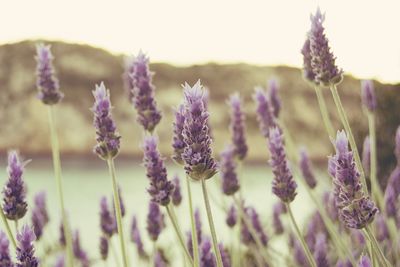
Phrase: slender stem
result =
(346, 125)
(58, 176)
(211, 223)
(117, 206)
(307, 251)
(179, 233)
(324, 112)
(8, 229)
(376, 247)
(195, 245)
(114, 252)
(154, 254)
(16, 227)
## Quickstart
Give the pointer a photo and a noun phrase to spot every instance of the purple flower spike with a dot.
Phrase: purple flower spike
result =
(277, 222)
(226, 259)
(61, 238)
(391, 200)
(39, 216)
(299, 256)
(265, 117)
(155, 221)
(231, 217)
(160, 188)
(230, 182)
(25, 248)
(107, 220)
(47, 83)
(176, 194)
(344, 263)
(5, 259)
(79, 253)
(14, 192)
(107, 137)
(364, 261)
(308, 72)
(306, 169)
(137, 239)
(382, 231)
(178, 144)
(197, 154)
(60, 261)
(246, 236)
(368, 95)
(322, 59)
(276, 103)
(160, 260)
(366, 154)
(283, 184)
(397, 147)
(238, 127)
(321, 251)
(355, 209)
(142, 93)
(207, 258)
(103, 248)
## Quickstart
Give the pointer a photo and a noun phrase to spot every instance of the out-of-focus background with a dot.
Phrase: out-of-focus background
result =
(232, 46)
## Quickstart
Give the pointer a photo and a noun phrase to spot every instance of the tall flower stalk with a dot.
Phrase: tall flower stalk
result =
(197, 154)
(50, 94)
(107, 148)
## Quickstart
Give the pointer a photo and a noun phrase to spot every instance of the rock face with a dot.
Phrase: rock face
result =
(23, 118)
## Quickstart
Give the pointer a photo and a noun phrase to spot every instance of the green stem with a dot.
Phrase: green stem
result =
(324, 112)
(211, 223)
(58, 176)
(117, 206)
(195, 245)
(16, 227)
(178, 233)
(8, 229)
(114, 252)
(375, 246)
(307, 251)
(350, 136)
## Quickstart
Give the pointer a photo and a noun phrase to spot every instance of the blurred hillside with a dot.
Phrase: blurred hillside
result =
(24, 119)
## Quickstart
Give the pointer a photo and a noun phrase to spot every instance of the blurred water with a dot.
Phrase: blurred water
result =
(85, 183)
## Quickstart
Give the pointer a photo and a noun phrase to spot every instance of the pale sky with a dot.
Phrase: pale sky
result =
(364, 35)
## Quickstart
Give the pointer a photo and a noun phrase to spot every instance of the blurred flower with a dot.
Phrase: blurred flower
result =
(344, 263)
(25, 249)
(5, 259)
(199, 233)
(238, 127)
(14, 192)
(382, 231)
(231, 217)
(246, 236)
(308, 72)
(121, 203)
(108, 224)
(322, 59)
(176, 194)
(330, 205)
(230, 182)
(178, 144)
(61, 238)
(315, 227)
(364, 261)
(298, 253)
(283, 184)
(264, 112)
(39, 217)
(160, 188)
(47, 83)
(273, 96)
(355, 209)
(207, 258)
(103, 248)
(226, 259)
(306, 169)
(79, 253)
(160, 260)
(137, 239)
(368, 95)
(60, 261)
(155, 221)
(321, 251)
(142, 92)
(107, 137)
(276, 218)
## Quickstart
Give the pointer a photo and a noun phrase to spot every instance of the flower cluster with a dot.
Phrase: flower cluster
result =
(238, 127)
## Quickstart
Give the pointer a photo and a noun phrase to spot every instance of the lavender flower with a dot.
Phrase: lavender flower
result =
(107, 137)
(5, 259)
(231, 217)
(368, 95)
(366, 154)
(391, 200)
(160, 260)
(103, 248)
(276, 218)
(61, 238)
(344, 263)
(246, 236)
(274, 97)
(238, 127)
(330, 205)
(47, 83)
(308, 72)
(382, 231)
(155, 221)
(25, 248)
(160, 188)
(283, 184)
(299, 256)
(39, 215)
(230, 182)
(322, 59)
(355, 209)
(226, 260)
(107, 220)
(364, 261)
(137, 239)
(197, 154)
(321, 251)
(306, 169)
(60, 261)
(79, 253)
(265, 117)
(315, 227)
(178, 144)
(176, 194)
(14, 192)
(199, 233)
(207, 258)
(143, 93)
